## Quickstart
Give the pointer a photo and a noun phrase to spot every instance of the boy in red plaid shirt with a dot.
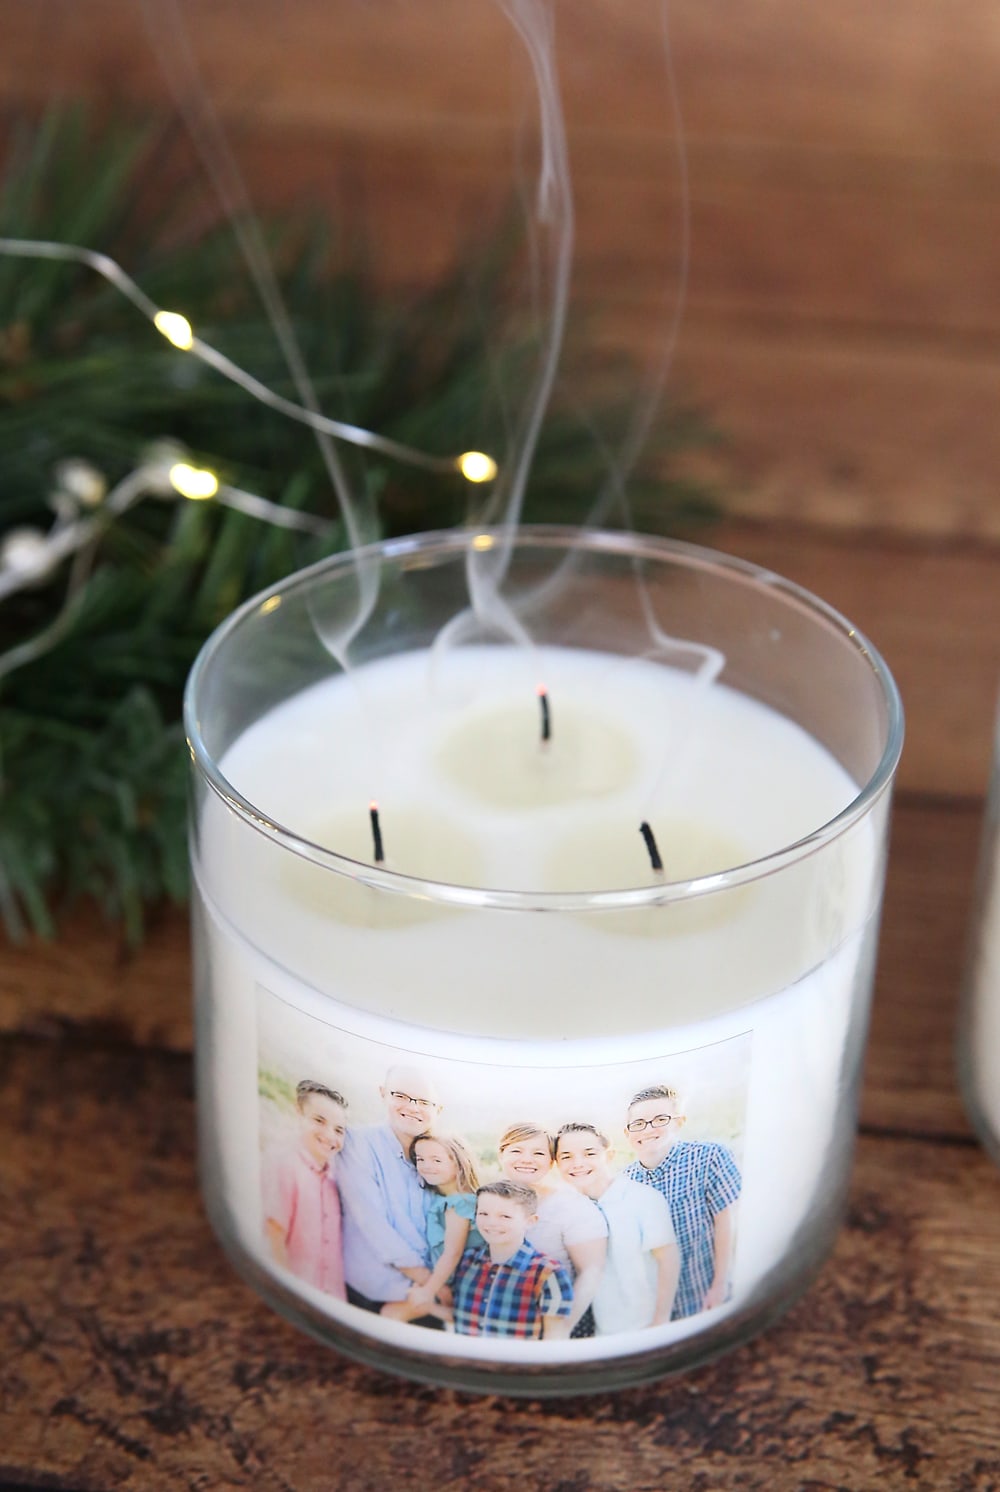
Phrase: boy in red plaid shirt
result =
(509, 1289)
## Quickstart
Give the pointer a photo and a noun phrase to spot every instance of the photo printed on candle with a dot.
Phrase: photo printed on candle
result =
(487, 1201)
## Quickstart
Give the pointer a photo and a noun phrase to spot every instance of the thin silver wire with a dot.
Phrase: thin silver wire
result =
(111, 271)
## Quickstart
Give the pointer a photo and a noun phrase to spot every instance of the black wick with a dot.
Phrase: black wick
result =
(543, 700)
(650, 840)
(376, 834)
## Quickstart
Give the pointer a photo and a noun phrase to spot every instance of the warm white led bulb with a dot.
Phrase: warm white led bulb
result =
(476, 466)
(193, 481)
(175, 327)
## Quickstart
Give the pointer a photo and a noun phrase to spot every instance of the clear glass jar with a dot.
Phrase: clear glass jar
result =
(979, 1026)
(380, 1039)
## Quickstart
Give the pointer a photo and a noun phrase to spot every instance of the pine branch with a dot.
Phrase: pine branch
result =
(92, 765)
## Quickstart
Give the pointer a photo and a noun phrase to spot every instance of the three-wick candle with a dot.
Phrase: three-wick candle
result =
(522, 950)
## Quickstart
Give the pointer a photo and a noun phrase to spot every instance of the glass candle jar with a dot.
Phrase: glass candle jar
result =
(537, 884)
(979, 1028)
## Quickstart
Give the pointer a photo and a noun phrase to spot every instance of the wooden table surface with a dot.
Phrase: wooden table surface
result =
(132, 1356)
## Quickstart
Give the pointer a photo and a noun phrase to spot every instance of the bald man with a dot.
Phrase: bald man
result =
(385, 1231)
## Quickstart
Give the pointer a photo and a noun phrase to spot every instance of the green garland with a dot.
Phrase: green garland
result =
(92, 765)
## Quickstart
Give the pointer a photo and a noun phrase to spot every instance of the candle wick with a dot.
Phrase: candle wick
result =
(376, 834)
(650, 840)
(543, 701)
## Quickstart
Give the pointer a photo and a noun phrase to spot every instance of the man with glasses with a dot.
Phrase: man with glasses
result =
(701, 1183)
(385, 1225)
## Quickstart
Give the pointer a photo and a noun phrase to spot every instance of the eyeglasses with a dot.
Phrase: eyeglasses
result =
(417, 1103)
(658, 1121)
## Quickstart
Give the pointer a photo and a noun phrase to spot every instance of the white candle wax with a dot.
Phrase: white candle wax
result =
(722, 780)
(446, 746)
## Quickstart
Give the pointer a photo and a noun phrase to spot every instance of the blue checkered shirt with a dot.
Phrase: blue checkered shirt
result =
(698, 1179)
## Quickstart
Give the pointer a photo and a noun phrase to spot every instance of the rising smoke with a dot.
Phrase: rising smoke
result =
(490, 613)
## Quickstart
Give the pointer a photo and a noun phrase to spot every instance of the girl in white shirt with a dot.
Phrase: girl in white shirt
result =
(570, 1229)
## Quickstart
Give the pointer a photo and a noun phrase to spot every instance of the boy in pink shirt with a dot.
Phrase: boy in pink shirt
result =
(301, 1200)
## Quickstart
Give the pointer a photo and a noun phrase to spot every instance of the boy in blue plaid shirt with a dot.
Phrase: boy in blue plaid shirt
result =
(701, 1182)
(507, 1288)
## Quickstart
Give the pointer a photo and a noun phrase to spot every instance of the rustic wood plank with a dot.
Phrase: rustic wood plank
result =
(910, 1083)
(85, 983)
(852, 434)
(843, 342)
(903, 248)
(933, 612)
(804, 197)
(82, 987)
(844, 306)
(921, 82)
(133, 1357)
(899, 241)
(847, 432)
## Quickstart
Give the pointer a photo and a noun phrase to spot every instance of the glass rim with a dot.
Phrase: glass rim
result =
(626, 545)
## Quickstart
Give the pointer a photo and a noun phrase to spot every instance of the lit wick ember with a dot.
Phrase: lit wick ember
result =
(543, 700)
(376, 833)
(650, 840)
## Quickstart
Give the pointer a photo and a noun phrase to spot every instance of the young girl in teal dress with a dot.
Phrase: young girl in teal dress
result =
(448, 1172)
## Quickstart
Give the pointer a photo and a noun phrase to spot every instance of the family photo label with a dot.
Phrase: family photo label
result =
(491, 1201)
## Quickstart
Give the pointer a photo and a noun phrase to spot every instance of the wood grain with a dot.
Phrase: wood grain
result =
(132, 1357)
(850, 433)
(87, 985)
(910, 1085)
(810, 211)
(921, 82)
(934, 614)
(844, 301)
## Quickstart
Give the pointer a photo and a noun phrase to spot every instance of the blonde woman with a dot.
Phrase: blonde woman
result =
(570, 1228)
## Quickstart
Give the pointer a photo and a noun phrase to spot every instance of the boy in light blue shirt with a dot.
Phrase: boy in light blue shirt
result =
(639, 1279)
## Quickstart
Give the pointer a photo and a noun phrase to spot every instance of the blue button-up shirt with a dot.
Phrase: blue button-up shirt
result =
(385, 1227)
(699, 1179)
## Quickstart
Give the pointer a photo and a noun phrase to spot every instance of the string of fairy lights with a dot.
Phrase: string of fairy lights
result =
(83, 505)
